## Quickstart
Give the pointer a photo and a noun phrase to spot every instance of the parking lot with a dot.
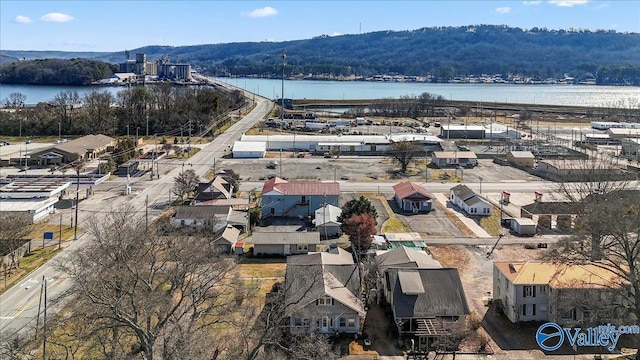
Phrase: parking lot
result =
(363, 168)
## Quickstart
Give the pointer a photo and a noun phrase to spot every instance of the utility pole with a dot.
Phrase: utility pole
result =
(75, 228)
(146, 212)
(283, 56)
(280, 165)
(60, 237)
(44, 322)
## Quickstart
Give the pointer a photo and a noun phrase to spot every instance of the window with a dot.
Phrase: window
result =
(486, 210)
(351, 322)
(524, 310)
(529, 291)
(507, 285)
(325, 301)
(343, 322)
(569, 315)
(543, 289)
(533, 309)
(297, 322)
(303, 247)
(327, 322)
(306, 322)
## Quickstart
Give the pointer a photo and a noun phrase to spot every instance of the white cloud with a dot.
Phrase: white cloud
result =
(533, 2)
(23, 19)
(56, 17)
(503, 10)
(262, 12)
(568, 3)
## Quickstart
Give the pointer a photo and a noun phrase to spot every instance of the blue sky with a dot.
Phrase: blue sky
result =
(95, 25)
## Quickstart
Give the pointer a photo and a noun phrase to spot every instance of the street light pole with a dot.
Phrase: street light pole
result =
(283, 56)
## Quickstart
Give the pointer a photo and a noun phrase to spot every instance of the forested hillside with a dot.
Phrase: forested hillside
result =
(441, 52)
(55, 72)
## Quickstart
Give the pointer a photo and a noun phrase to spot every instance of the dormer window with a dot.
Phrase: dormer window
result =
(325, 301)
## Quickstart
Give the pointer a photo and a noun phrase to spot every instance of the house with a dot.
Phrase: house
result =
(546, 214)
(249, 149)
(466, 199)
(322, 293)
(281, 198)
(216, 189)
(226, 240)
(427, 304)
(212, 217)
(413, 198)
(326, 221)
(283, 243)
(443, 159)
(521, 158)
(401, 257)
(88, 147)
(566, 294)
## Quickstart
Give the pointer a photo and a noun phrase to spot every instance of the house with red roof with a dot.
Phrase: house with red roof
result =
(412, 197)
(281, 198)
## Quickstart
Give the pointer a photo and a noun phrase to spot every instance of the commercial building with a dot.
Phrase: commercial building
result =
(32, 199)
(249, 149)
(521, 158)
(443, 159)
(88, 147)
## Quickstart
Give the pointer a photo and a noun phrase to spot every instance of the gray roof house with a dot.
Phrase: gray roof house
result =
(466, 199)
(322, 293)
(218, 188)
(284, 243)
(427, 303)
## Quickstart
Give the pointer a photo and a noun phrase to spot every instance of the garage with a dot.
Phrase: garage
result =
(249, 149)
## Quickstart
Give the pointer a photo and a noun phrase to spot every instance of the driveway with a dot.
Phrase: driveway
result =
(433, 224)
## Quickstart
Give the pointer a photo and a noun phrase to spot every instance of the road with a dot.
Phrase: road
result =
(19, 304)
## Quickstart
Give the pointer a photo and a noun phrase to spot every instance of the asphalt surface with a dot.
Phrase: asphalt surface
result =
(19, 304)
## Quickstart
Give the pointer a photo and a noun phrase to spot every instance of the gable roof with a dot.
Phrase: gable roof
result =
(301, 188)
(462, 192)
(228, 236)
(475, 200)
(216, 189)
(557, 275)
(327, 214)
(404, 257)
(301, 237)
(202, 212)
(314, 275)
(424, 293)
(85, 143)
(407, 189)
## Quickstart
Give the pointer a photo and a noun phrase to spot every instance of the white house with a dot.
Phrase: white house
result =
(326, 221)
(466, 199)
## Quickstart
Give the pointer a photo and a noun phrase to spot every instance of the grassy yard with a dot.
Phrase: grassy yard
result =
(27, 265)
(393, 224)
(264, 270)
(38, 230)
(450, 256)
(491, 223)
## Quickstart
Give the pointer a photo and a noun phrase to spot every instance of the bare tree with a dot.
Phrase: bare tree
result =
(14, 229)
(15, 102)
(150, 295)
(403, 152)
(13, 346)
(185, 183)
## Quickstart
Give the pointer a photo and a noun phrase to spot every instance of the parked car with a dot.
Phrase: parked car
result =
(28, 141)
(3, 143)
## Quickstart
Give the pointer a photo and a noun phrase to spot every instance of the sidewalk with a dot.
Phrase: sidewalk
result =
(470, 223)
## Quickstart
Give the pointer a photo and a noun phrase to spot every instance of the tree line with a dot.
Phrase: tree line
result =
(440, 52)
(148, 110)
(56, 72)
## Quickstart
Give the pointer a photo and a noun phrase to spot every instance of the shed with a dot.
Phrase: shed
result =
(249, 149)
(521, 158)
(284, 243)
(523, 226)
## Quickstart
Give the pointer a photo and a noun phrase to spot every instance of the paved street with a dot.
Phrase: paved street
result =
(19, 305)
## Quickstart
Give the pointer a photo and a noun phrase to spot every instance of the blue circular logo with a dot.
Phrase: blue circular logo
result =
(549, 331)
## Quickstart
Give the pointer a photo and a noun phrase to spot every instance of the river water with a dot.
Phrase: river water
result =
(577, 95)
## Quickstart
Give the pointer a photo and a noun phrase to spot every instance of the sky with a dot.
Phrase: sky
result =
(96, 25)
